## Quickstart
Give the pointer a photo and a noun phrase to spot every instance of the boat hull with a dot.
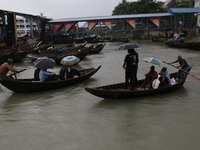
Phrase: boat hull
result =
(28, 85)
(118, 90)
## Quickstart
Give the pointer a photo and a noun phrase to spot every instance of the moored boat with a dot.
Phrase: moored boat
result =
(80, 53)
(194, 45)
(176, 44)
(29, 85)
(97, 49)
(118, 90)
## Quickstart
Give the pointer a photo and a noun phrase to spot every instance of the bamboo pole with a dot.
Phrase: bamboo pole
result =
(181, 70)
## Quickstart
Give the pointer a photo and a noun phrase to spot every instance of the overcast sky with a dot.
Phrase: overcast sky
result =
(57, 9)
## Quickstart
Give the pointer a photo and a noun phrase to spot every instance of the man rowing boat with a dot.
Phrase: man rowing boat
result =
(183, 64)
(5, 67)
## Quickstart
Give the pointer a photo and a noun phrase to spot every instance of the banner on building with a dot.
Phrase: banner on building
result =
(131, 22)
(107, 23)
(69, 25)
(91, 24)
(156, 21)
(57, 26)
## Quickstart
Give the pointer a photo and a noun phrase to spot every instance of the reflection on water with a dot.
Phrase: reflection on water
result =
(71, 118)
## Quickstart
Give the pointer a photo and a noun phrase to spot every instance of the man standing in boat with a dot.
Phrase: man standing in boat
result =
(5, 67)
(131, 65)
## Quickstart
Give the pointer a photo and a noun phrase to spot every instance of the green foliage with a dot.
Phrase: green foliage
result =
(180, 4)
(140, 7)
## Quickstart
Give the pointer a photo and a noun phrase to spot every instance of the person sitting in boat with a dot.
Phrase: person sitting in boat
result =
(184, 66)
(5, 67)
(164, 77)
(66, 73)
(150, 76)
(36, 74)
(18, 45)
(45, 75)
(176, 37)
(59, 53)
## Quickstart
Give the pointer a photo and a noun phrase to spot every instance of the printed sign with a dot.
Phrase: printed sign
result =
(69, 25)
(57, 26)
(131, 22)
(91, 24)
(156, 21)
(107, 23)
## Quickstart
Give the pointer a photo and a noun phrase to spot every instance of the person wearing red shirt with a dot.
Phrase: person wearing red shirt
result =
(150, 76)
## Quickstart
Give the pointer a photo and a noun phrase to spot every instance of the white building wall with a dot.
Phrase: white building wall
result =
(197, 4)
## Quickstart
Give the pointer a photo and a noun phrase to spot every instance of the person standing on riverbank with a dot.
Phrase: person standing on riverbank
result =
(131, 66)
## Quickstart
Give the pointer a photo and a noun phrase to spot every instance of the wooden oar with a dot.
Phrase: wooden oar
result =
(14, 74)
(181, 69)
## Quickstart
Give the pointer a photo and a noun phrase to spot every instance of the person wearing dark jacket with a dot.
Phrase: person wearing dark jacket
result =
(131, 66)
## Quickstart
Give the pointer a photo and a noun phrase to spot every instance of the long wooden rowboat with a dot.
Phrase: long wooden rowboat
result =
(118, 90)
(81, 53)
(176, 44)
(97, 49)
(29, 85)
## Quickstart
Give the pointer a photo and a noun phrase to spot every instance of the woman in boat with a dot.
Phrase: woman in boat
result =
(131, 65)
(5, 67)
(150, 76)
(183, 64)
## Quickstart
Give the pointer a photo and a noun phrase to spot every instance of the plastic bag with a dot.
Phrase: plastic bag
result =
(173, 81)
(156, 83)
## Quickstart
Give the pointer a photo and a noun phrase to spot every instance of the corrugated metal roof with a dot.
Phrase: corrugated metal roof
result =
(83, 19)
(184, 10)
(23, 14)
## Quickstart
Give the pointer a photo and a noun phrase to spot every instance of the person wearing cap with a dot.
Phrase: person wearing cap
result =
(5, 67)
(183, 64)
(131, 66)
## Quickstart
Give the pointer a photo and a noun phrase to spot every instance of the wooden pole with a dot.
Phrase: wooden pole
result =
(181, 70)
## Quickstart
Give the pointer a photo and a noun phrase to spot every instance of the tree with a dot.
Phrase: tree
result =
(180, 4)
(140, 7)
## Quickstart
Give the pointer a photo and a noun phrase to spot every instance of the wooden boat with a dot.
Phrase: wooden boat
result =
(14, 55)
(29, 85)
(194, 45)
(75, 47)
(97, 49)
(117, 90)
(80, 53)
(176, 44)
